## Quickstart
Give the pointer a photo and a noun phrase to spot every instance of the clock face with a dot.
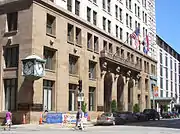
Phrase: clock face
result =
(28, 68)
(39, 68)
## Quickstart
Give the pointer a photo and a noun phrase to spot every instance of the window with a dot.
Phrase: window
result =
(109, 26)
(94, 1)
(92, 70)
(49, 56)
(166, 73)
(104, 4)
(50, 24)
(135, 7)
(161, 58)
(127, 3)
(70, 34)
(166, 84)
(10, 90)
(72, 97)
(12, 21)
(73, 64)
(69, 5)
(130, 4)
(130, 41)
(171, 63)
(104, 23)
(120, 14)
(109, 5)
(161, 83)
(130, 21)
(127, 20)
(127, 37)
(171, 75)
(78, 36)
(161, 70)
(121, 33)
(135, 24)
(116, 11)
(89, 41)
(143, 15)
(138, 11)
(47, 94)
(122, 53)
(91, 98)
(145, 18)
(146, 84)
(175, 67)
(96, 44)
(77, 6)
(11, 56)
(110, 48)
(167, 94)
(94, 17)
(161, 93)
(105, 45)
(117, 51)
(166, 61)
(117, 31)
(171, 86)
(88, 14)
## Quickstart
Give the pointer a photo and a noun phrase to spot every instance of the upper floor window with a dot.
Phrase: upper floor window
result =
(11, 56)
(96, 44)
(94, 17)
(109, 26)
(109, 6)
(77, 7)
(88, 14)
(161, 58)
(50, 24)
(130, 4)
(12, 21)
(104, 4)
(92, 70)
(89, 41)
(69, 5)
(73, 64)
(104, 23)
(70, 34)
(166, 61)
(49, 56)
(78, 36)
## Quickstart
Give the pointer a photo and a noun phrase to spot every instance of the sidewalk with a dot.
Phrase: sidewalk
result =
(53, 126)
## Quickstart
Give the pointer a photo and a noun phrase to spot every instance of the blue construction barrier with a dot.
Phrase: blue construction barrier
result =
(53, 118)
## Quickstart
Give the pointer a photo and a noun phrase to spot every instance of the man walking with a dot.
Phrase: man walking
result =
(79, 118)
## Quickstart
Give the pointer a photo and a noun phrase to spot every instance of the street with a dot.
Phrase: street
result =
(156, 127)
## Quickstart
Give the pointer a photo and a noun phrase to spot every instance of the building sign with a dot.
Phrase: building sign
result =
(69, 117)
(155, 91)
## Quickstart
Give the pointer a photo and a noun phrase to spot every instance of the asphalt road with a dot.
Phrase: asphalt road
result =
(151, 127)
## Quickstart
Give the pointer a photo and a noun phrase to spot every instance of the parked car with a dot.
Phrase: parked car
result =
(128, 116)
(109, 119)
(141, 116)
(151, 114)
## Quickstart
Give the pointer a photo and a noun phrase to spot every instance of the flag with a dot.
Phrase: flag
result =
(145, 44)
(135, 34)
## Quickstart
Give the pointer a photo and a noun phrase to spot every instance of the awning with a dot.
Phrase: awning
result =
(165, 100)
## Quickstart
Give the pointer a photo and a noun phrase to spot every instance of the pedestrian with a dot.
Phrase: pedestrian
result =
(79, 118)
(8, 120)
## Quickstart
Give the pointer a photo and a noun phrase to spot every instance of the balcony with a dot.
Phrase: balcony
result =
(120, 61)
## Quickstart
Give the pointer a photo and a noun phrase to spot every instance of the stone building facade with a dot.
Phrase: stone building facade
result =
(74, 50)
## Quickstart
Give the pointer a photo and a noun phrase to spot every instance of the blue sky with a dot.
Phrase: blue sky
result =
(168, 22)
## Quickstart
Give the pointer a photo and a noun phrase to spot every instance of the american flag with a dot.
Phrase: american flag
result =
(135, 34)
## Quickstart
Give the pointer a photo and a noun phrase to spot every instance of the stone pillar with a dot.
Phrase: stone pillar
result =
(114, 87)
(134, 93)
(149, 95)
(100, 92)
(125, 94)
(142, 87)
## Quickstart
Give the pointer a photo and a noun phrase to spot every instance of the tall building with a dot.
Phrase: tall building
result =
(168, 75)
(73, 49)
(118, 18)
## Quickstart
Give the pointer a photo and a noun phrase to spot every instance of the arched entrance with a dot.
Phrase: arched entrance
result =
(120, 88)
(130, 94)
(107, 91)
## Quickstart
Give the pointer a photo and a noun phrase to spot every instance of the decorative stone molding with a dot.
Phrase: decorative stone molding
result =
(104, 65)
(75, 50)
(103, 73)
(118, 69)
(127, 79)
(129, 73)
(51, 42)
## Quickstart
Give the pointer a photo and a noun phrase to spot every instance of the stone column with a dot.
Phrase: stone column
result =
(134, 93)
(100, 92)
(114, 87)
(125, 94)
(142, 87)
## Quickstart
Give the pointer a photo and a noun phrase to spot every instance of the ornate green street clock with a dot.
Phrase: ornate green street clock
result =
(33, 67)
